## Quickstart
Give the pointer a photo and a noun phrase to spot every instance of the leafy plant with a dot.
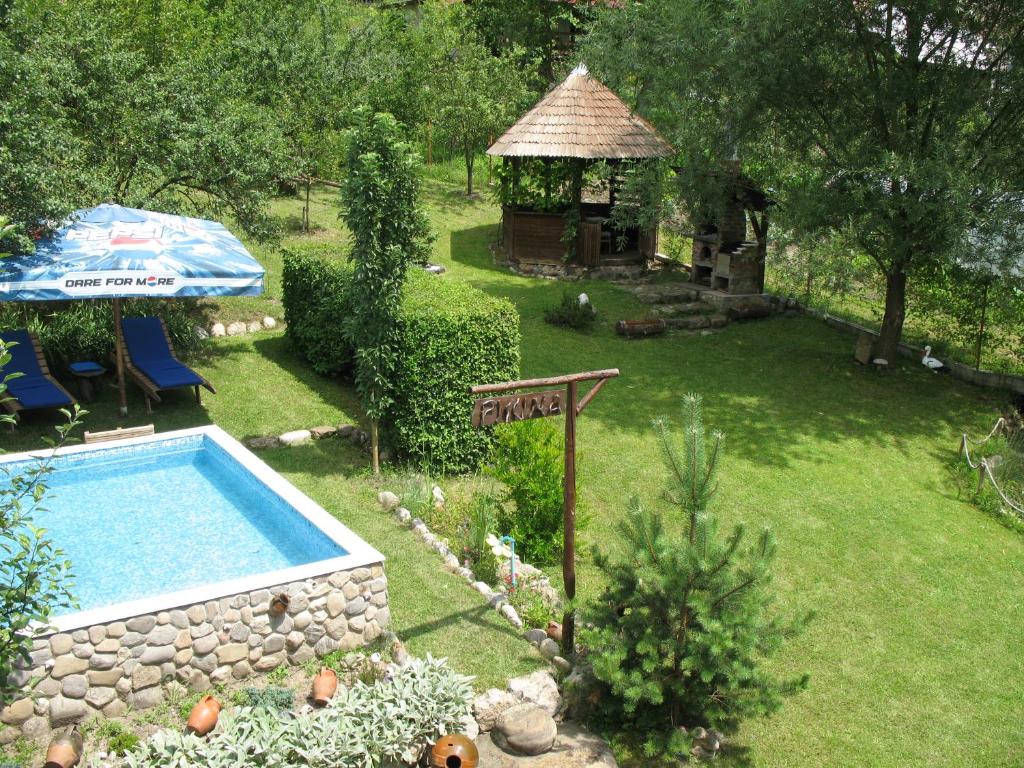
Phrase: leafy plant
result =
(528, 459)
(485, 566)
(363, 725)
(119, 739)
(272, 697)
(35, 576)
(533, 608)
(680, 635)
(571, 313)
(316, 293)
(380, 199)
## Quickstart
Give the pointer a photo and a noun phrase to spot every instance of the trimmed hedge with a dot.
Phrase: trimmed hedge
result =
(314, 286)
(452, 336)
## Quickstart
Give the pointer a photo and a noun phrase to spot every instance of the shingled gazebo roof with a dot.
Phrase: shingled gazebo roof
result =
(581, 118)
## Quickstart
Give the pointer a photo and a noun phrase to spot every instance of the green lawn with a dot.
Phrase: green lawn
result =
(914, 654)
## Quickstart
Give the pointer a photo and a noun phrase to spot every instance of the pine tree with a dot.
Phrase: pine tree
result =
(680, 634)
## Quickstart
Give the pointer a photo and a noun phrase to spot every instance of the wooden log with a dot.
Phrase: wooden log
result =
(640, 327)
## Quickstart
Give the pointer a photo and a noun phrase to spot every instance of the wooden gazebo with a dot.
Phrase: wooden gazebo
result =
(546, 191)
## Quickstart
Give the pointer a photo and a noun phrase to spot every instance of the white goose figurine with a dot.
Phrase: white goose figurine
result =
(929, 362)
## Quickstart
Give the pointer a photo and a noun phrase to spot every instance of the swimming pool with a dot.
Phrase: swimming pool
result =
(178, 518)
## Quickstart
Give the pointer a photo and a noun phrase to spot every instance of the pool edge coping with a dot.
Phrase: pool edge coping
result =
(360, 553)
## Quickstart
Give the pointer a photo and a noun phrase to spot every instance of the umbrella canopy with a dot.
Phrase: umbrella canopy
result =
(113, 252)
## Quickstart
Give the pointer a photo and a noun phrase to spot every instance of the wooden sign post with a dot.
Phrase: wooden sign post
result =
(508, 408)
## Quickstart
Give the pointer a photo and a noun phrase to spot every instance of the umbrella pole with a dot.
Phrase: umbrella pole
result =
(118, 345)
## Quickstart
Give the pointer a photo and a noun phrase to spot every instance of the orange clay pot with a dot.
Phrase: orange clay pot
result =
(324, 685)
(554, 631)
(279, 604)
(203, 717)
(65, 751)
(454, 751)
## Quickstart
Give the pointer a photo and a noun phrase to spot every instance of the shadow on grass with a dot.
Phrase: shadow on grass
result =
(782, 389)
(476, 616)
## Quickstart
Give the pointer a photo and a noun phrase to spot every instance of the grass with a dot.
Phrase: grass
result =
(914, 655)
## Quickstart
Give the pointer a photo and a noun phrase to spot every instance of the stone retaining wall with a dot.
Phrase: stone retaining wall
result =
(105, 669)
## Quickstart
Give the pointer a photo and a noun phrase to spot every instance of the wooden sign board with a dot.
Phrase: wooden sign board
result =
(508, 408)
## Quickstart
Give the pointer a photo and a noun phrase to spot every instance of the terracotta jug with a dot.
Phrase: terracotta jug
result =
(454, 751)
(324, 685)
(554, 631)
(65, 751)
(203, 717)
(279, 604)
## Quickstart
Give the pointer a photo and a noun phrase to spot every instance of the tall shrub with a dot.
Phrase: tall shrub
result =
(529, 460)
(679, 637)
(451, 337)
(316, 293)
(35, 576)
(380, 199)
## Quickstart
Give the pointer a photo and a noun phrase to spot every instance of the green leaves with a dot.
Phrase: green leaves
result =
(35, 576)
(681, 633)
(364, 726)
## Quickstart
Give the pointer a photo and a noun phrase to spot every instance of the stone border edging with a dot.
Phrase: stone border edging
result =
(538, 638)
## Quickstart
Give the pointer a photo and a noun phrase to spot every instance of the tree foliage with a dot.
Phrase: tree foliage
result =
(681, 633)
(35, 576)
(893, 122)
(390, 231)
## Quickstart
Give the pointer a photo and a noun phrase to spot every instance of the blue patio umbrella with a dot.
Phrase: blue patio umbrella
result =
(113, 252)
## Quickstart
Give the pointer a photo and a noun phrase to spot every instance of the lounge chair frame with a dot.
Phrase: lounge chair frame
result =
(149, 388)
(11, 404)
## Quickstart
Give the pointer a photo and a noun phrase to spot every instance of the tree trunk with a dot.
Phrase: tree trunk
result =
(374, 448)
(469, 172)
(895, 313)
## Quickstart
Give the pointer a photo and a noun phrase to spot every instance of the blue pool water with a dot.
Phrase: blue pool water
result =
(145, 520)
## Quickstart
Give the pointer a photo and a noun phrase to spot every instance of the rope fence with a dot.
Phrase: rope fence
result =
(985, 465)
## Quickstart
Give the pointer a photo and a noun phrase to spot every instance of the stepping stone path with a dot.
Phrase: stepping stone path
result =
(680, 306)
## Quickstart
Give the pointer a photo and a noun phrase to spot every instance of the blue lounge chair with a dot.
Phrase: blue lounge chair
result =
(149, 359)
(35, 388)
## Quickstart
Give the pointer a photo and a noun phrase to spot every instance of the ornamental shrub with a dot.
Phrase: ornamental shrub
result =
(680, 635)
(317, 303)
(451, 337)
(529, 460)
(386, 723)
(571, 313)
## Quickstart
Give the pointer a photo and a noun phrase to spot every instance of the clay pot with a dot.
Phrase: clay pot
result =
(65, 751)
(454, 751)
(324, 685)
(554, 631)
(203, 717)
(279, 604)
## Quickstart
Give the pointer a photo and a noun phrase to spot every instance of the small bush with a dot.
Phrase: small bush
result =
(529, 460)
(680, 636)
(383, 724)
(485, 566)
(272, 697)
(533, 609)
(571, 313)
(122, 743)
(317, 303)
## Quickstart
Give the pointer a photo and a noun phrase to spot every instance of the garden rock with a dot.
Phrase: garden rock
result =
(535, 636)
(269, 322)
(261, 442)
(526, 729)
(237, 329)
(538, 688)
(66, 711)
(562, 665)
(319, 433)
(387, 500)
(218, 329)
(296, 437)
(574, 747)
(489, 706)
(549, 648)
